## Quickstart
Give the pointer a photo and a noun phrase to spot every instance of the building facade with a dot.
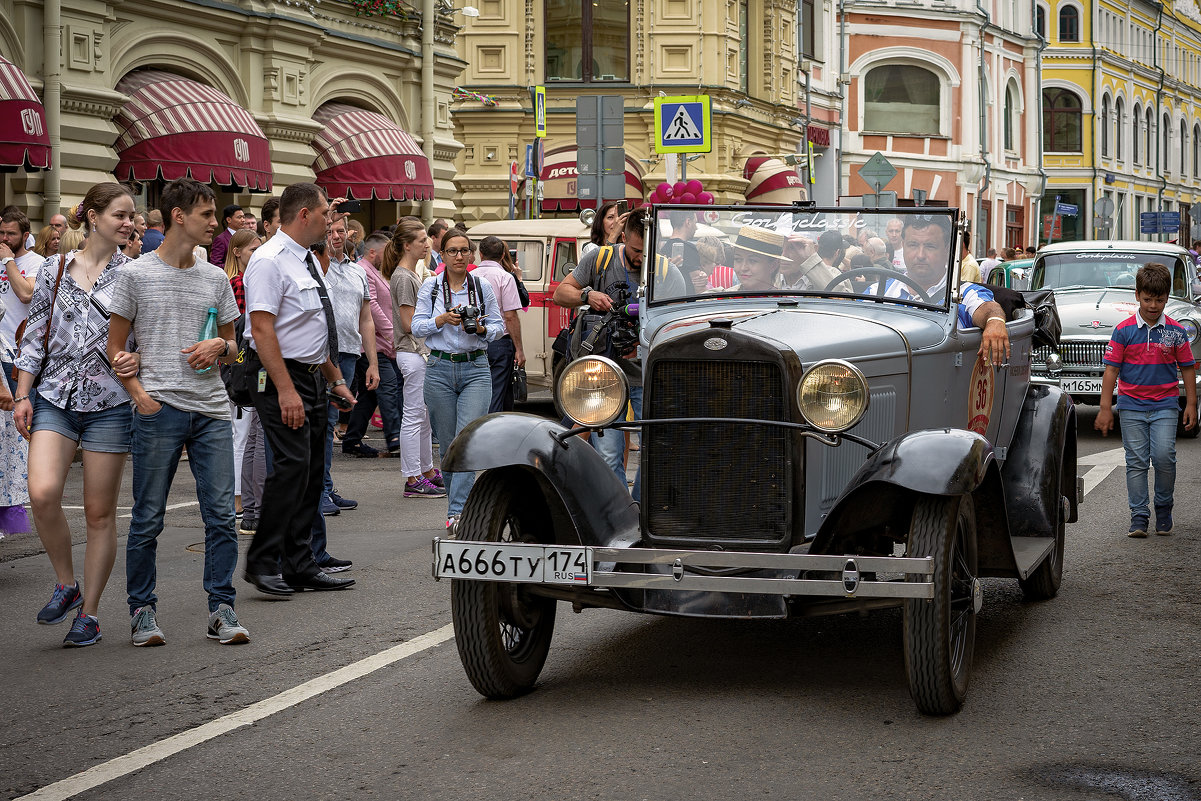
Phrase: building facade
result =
(943, 90)
(1120, 117)
(276, 91)
(746, 55)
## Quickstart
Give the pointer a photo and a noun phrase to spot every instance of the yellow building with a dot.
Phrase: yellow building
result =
(258, 94)
(1120, 121)
(743, 54)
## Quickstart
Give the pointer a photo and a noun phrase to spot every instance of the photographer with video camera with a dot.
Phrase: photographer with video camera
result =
(606, 279)
(458, 315)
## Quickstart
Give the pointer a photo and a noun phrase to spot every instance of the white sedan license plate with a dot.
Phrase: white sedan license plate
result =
(1083, 386)
(522, 563)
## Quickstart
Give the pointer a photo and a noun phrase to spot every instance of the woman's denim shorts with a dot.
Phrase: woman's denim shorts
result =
(103, 431)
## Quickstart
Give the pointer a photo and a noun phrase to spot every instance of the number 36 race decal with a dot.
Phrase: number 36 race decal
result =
(980, 397)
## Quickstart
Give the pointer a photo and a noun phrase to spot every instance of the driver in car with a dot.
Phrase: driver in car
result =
(925, 242)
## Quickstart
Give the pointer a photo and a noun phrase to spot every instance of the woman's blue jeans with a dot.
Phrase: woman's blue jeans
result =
(455, 394)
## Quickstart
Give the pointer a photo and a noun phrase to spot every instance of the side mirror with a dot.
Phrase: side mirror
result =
(588, 216)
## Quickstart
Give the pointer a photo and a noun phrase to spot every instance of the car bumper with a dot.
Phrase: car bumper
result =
(588, 567)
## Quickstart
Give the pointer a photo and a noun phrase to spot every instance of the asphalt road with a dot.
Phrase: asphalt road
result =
(1091, 695)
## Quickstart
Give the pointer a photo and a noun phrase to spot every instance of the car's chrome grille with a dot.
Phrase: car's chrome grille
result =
(1074, 354)
(716, 480)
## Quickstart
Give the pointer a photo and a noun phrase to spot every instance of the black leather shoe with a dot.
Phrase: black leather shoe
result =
(271, 585)
(319, 581)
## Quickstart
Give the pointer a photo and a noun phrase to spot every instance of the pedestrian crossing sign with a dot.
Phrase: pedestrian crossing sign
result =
(683, 124)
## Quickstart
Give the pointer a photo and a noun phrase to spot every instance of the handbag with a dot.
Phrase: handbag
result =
(62, 265)
(520, 386)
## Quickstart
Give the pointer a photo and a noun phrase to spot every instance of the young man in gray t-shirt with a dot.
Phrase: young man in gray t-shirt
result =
(164, 298)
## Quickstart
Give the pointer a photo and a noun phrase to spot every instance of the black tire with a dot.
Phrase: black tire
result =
(940, 634)
(557, 369)
(1044, 582)
(502, 632)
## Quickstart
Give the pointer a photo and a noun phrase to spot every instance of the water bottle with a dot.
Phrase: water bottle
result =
(208, 331)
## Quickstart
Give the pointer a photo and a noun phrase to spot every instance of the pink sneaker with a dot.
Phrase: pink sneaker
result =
(423, 489)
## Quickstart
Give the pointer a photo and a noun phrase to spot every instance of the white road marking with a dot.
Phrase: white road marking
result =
(1103, 463)
(156, 752)
(130, 514)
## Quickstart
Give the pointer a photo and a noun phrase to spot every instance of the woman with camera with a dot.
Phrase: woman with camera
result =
(458, 316)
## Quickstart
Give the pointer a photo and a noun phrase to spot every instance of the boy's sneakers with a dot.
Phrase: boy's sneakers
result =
(1138, 527)
(85, 630)
(248, 526)
(144, 628)
(224, 627)
(1163, 520)
(342, 503)
(423, 488)
(65, 598)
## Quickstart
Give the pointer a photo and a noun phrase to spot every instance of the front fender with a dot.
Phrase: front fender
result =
(930, 462)
(943, 461)
(1042, 458)
(581, 489)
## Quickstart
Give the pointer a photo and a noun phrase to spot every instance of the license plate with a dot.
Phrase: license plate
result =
(521, 563)
(1083, 386)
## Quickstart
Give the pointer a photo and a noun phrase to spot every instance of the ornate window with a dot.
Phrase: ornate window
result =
(1105, 127)
(902, 99)
(1135, 120)
(587, 41)
(1061, 121)
(1069, 24)
(1118, 114)
(1010, 122)
(1040, 21)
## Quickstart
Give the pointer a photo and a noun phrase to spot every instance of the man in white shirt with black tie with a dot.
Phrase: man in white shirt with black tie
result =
(290, 337)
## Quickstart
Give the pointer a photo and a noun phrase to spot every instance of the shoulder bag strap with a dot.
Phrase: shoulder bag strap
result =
(62, 265)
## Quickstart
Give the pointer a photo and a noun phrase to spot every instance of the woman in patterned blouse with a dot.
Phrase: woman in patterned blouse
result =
(78, 399)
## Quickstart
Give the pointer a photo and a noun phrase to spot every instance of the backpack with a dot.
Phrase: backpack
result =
(236, 375)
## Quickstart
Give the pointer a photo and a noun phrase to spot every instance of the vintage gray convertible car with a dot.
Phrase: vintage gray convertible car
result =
(811, 451)
(1094, 291)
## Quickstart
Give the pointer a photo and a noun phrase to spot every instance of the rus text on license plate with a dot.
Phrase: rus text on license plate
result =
(1083, 386)
(515, 562)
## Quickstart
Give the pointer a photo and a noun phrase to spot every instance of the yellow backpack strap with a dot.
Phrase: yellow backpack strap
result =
(661, 265)
(603, 258)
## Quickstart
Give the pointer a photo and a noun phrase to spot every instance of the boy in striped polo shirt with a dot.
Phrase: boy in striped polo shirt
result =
(1143, 356)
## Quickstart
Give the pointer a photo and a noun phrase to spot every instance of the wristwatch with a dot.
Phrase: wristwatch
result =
(341, 382)
(7, 259)
(584, 295)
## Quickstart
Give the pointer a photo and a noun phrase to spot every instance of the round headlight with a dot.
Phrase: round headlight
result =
(593, 391)
(1191, 328)
(833, 396)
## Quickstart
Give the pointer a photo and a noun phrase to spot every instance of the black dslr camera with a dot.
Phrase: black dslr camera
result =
(469, 315)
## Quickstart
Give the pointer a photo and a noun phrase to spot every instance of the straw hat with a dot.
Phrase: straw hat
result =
(762, 242)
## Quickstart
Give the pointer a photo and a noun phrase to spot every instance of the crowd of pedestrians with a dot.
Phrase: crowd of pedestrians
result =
(129, 333)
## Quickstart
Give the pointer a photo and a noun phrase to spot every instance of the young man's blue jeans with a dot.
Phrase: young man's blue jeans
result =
(613, 444)
(158, 441)
(455, 394)
(1149, 437)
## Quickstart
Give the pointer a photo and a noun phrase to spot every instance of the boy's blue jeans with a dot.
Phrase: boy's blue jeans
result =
(1149, 436)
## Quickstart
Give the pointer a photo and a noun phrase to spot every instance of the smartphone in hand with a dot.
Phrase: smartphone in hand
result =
(339, 401)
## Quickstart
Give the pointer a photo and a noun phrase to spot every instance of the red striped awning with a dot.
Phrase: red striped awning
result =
(361, 154)
(172, 127)
(559, 176)
(773, 182)
(24, 140)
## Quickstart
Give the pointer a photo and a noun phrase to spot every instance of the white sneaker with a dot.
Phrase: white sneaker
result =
(452, 528)
(224, 627)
